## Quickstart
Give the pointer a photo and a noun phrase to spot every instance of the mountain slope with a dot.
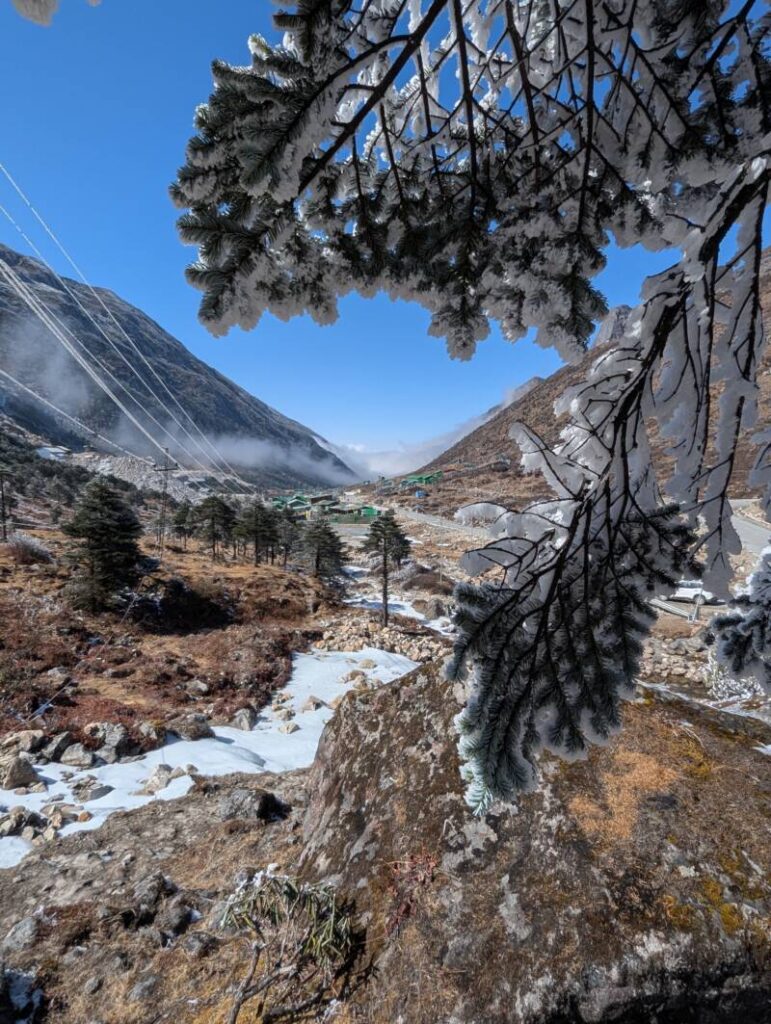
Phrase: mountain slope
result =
(473, 466)
(264, 445)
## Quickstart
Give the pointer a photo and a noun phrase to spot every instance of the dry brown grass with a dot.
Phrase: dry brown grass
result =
(631, 777)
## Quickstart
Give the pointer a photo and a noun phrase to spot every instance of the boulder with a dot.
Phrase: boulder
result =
(632, 886)
(191, 727)
(55, 747)
(77, 756)
(111, 736)
(23, 935)
(26, 741)
(244, 719)
(289, 728)
(18, 773)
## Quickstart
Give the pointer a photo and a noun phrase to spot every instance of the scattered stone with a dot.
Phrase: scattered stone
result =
(54, 749)
(285, 714)
(289, 727)
(18, 773)
(197, 687)
(23, 935)
(90, 789)
(92, 986)
(77, 756)
(312, 704)
(244, 719)
(191, 727)
(367, 663)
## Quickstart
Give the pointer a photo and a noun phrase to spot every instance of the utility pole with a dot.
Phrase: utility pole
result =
(164, 470)
(3, 506)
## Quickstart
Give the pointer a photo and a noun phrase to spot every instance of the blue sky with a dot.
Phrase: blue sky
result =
(96, 112)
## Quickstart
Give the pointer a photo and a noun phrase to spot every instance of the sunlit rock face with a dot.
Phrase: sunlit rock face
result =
(631, 885)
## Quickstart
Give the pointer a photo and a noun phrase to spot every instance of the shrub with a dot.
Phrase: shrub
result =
(26, 550)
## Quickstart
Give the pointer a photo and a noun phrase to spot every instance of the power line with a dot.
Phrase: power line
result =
(23, 292)
(205, 467)
(73, 419)
(23, 196)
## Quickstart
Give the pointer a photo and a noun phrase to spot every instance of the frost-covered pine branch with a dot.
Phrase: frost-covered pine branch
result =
(744, 634)
(478, 158)
(41, 11)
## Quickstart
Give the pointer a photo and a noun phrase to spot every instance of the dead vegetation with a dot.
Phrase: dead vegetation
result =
(195, 636)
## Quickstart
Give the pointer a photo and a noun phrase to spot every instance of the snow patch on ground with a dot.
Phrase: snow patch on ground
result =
(264, 748)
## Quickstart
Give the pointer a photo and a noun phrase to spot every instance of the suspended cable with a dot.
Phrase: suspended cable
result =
(120, 353)
(27, 296)
(106, 370)
(26, 200)
(75, 420)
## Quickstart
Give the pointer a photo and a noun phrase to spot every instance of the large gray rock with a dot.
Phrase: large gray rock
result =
(633, 886)
(54, 749)
(77, 756)
(23, 935)
(18, 773)
(244, 719)
(191, 727)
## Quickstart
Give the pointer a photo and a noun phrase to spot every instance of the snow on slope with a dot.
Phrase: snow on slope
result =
(264, 748)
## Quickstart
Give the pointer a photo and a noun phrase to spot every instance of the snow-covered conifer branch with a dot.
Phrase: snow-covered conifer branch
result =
(41, 11)
(478, 158)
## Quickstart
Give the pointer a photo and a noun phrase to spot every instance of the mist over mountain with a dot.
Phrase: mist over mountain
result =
(263, 445)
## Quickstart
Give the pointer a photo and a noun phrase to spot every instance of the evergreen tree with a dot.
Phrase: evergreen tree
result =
(257, 526)
(107, 553)
(6, 502)
(322, 550)
(288, 533)
(183, 522)
(387, 540)
(214, 522)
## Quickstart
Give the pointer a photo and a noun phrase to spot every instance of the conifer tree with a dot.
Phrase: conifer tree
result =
(322, 549)
(257, 526)
(215, 521)
(389, 543)
(107, 554)
(288, 533)
(183, 522)
(5, 502)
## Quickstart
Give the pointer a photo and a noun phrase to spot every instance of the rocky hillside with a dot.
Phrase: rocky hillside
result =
(477, 464)
(630, 888)
(254, 437)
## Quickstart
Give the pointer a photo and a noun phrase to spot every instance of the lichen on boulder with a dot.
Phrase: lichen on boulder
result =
(630, 886)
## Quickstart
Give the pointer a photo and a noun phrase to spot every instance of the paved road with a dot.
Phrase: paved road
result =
(753, 535)
(475, 533)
